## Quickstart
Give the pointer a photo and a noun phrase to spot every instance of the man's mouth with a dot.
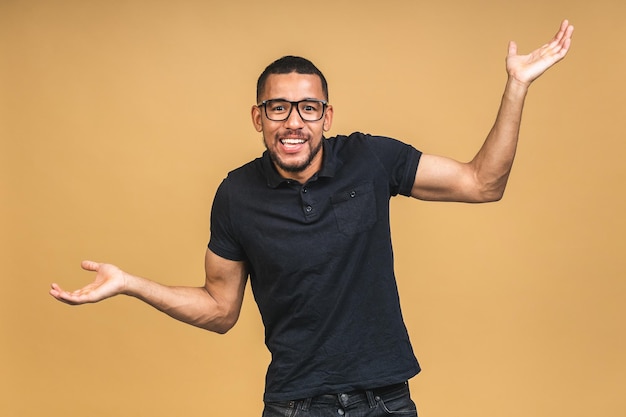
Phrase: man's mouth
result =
(292, 141)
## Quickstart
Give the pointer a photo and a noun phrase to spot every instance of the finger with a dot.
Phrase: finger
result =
(566, 27)
(65, 298)
(563, 28)
(560, 47)
(55, 290)
(512, 48)
(563, 35)
(90, 265)
(62, 295)
(561, 32)
(568, 35)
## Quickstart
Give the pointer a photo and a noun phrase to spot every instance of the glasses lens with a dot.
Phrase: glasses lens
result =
(277, 109)
(309, 110)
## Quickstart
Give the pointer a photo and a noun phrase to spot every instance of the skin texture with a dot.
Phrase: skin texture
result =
(296, 152)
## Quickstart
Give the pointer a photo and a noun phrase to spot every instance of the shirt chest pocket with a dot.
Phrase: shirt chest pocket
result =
(355, 208)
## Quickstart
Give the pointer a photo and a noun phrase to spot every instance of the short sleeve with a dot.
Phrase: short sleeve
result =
(223, 241)
(399, 160)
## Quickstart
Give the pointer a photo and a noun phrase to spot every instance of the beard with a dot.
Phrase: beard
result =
(294, 167)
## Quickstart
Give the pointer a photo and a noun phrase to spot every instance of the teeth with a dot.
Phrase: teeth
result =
(292, 141)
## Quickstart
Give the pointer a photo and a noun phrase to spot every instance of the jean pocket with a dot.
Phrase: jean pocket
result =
(355, 208)
(399, 406)
(280, 409)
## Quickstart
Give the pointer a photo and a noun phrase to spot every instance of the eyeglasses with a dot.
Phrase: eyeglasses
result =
(278, 110)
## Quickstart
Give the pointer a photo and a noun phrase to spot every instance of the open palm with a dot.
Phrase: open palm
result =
(109, 281)
(527, 68)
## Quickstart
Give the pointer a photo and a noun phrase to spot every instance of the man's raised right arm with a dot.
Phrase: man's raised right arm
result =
(214, 307)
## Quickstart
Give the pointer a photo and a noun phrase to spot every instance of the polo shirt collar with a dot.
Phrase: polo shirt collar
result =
(330, 164)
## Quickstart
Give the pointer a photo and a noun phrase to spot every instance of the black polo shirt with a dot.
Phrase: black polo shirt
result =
(321, 265)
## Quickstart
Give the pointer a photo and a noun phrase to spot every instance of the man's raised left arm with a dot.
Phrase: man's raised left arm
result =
(484, 178)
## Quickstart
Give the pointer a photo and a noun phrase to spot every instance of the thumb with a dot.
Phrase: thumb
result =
(90, 265)
(512, 48)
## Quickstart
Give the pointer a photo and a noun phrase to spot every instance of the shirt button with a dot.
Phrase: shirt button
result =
(341, 412)
(305, 190)
(344, 397)
(352, 194)
(308, 209)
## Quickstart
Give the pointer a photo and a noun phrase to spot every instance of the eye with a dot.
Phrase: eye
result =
(278, 106)
(310, 106)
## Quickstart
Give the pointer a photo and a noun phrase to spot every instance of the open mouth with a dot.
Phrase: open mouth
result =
(291, 141)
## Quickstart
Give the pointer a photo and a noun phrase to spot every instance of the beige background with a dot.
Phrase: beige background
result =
(118, 119)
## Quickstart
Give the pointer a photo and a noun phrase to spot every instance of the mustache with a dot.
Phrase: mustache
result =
(292, 134)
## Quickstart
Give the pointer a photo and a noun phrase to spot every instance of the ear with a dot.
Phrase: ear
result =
(257, 118)
(328, 118)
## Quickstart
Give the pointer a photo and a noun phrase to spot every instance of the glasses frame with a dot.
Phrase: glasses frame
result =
(296, 105)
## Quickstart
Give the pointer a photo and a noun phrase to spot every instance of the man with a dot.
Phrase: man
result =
(309, 223)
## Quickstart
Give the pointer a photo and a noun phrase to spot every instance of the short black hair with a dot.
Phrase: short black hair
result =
(287, 65)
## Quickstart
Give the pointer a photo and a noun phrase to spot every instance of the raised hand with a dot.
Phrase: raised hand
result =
(109, 281)
(526, 68)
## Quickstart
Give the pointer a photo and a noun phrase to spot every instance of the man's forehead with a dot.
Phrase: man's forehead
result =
(293, 86)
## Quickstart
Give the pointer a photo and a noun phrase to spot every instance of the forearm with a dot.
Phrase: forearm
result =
(214, 307)
(191, 305)
(493, 162)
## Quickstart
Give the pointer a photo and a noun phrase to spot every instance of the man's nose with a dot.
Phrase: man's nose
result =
(294, 120)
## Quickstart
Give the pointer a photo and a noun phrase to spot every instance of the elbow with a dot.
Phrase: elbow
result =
(491, 191)
(493, 197)
(220, 313)
(223, 327)
(490, 194)
(220, 330)
(220, 323)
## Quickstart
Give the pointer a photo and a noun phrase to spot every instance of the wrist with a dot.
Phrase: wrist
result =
(130, 285)
(517, 86)
(516, 89)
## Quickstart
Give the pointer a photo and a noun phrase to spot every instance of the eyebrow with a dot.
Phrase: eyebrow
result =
(295, 101)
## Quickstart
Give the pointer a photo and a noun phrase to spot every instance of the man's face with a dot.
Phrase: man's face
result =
(295, 146)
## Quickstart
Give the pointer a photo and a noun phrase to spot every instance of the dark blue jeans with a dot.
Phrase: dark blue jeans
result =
(394, 400)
